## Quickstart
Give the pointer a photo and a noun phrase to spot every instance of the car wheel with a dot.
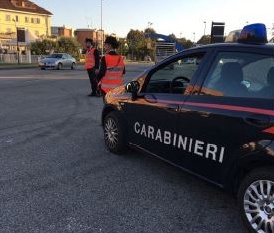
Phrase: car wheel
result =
(256, 200)
(114, 133)
(43, 68)
(73, 66)
(59, 66)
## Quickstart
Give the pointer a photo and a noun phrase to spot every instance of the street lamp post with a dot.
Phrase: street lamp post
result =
(17, 42)
(149, 28)
(17, 45)
(102, 39)
(149, 24)
(204, 27)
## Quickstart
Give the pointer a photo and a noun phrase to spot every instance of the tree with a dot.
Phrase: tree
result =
(149, 30)
(150, 43)
(62, 45)
(141, 45)
(172, 36)
(123, 46)
(136, 41)
(68, 45)
(42, 47)
(204, 40)
(186, 43)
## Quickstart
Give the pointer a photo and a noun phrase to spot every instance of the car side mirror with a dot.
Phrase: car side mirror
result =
(133, 88)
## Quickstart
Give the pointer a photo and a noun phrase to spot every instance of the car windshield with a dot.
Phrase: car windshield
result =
(55, 56)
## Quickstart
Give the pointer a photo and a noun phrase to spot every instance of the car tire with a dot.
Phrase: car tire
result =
(256, 200)
(114, 133)
(59, 66)
(43, 68)
(73, 66)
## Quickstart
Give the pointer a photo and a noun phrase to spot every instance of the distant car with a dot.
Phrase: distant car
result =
(58, 61)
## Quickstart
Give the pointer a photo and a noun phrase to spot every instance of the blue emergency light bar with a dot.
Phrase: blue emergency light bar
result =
(253, 33)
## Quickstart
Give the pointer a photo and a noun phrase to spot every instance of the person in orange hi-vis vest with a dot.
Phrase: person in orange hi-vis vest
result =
(91, 65)
(112, 67)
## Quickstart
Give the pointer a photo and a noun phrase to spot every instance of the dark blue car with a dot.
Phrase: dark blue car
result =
(212, 117)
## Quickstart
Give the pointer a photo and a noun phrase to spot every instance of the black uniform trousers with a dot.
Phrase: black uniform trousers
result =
(93, 80)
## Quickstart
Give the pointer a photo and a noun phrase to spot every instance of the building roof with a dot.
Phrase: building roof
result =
(23, 5)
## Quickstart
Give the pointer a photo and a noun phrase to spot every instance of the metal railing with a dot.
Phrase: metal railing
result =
(12, 58)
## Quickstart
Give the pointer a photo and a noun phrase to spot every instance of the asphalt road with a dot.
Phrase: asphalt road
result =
(57, 176)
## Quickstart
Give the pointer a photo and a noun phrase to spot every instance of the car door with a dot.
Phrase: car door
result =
(69, 60)
(227, 117)
(153, 117)
(65, 60)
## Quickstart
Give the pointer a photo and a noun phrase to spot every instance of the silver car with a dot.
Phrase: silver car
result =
(58, 61)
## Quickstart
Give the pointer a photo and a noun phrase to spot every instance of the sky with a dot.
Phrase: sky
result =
(184, 18)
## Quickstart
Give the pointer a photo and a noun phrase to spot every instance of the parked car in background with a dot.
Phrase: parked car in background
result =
(58, 61)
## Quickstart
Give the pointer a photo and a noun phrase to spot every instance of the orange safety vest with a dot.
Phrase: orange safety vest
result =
(114, 73)
(90, 58)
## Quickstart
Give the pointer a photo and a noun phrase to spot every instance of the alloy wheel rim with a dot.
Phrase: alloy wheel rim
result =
(259, 206)
(111, 133)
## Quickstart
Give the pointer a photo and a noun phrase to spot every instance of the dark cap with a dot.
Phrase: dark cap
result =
(89, 40)
(112, 41)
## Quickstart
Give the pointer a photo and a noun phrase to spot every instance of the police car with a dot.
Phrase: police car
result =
(213, 117)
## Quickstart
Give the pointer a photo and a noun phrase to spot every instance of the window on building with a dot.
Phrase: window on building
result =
(35, 20)
(16, 18)
(8, 18)
(26, 19)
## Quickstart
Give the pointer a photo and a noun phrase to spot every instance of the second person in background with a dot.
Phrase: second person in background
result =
(112, 67)
(92, 64)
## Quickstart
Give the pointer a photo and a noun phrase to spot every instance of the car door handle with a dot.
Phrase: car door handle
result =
(258, 120)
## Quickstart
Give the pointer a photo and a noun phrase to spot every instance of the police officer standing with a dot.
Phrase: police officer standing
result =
(112, 67)
(92, 64)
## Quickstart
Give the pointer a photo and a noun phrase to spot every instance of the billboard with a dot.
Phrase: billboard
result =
(217, 32)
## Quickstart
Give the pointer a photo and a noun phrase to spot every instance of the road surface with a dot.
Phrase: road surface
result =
(57, 176)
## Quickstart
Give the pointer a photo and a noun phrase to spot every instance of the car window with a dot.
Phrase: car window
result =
(55, 55)
(52, 56)
(246, 75)
(174, 77)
